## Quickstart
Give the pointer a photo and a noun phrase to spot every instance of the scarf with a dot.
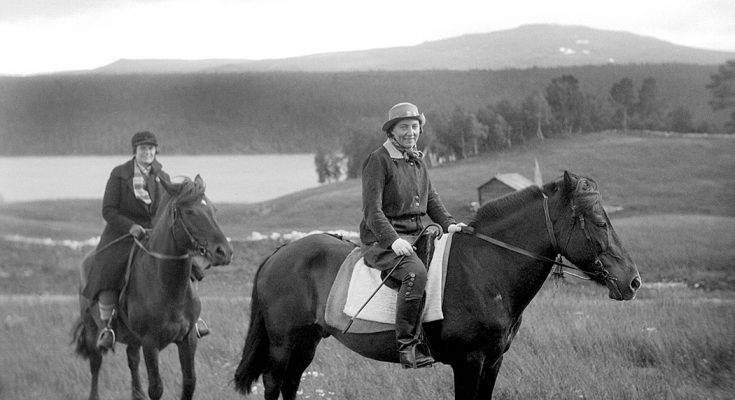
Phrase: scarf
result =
(411, 154)
(139, 185)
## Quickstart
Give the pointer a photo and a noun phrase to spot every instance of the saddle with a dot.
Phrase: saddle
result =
(355, 282)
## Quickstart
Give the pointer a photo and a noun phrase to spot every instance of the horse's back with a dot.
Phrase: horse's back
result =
(299, 275)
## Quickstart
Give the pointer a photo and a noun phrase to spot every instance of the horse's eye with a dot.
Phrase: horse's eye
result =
(601, 224)
(189, 212)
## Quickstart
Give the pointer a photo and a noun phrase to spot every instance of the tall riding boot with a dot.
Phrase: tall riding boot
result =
(200, 327)
(412, 352)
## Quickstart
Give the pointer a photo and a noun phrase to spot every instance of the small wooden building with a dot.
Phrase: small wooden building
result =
(500, 185)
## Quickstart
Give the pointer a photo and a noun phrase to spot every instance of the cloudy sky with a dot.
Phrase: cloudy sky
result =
(39, 36)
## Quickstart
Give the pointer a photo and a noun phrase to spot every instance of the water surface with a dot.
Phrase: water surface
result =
(229, 178)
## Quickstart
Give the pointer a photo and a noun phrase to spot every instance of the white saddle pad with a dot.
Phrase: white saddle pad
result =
(382, 307)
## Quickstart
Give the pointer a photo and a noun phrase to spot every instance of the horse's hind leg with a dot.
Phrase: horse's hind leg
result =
(301, 356)
(133, 352)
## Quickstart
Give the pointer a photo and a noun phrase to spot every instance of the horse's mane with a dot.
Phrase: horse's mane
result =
(506, 204)
(189, 192)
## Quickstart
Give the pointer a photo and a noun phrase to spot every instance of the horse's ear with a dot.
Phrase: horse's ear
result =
(171, 188)
(570, 182)
(199, 181)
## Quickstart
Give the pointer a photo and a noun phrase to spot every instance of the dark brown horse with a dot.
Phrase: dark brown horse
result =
(160, 304)
(487, 289)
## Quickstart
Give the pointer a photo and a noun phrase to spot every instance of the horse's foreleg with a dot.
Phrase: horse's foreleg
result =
(95, 362)
(155, 386)
(187, 350)
(467, 372)
(489, 375)
(133, 352)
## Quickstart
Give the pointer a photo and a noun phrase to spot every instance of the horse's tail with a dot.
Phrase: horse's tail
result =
(79, 337)
(255, 350)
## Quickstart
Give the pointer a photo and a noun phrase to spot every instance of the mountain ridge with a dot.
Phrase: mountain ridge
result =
(527, 46)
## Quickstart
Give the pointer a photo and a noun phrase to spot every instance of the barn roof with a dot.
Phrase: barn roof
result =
(513, 180)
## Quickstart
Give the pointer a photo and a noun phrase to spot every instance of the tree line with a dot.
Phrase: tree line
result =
(561, 109)
(284, 112)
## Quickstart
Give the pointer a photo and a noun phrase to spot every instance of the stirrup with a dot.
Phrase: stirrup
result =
(411, 356)
(104, 346)
(203, 331)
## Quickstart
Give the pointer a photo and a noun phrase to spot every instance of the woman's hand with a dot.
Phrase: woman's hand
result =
(452, 228)
(401, 247)
(137, 231)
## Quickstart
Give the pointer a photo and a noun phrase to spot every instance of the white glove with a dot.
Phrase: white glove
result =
(452, 228)
(401, 247)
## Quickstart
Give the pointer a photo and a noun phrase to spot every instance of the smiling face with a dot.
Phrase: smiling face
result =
(406, 132)
(145, 154)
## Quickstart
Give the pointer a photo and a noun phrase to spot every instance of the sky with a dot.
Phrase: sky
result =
(41, 36)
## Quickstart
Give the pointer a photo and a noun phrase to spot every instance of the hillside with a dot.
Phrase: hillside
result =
(540, 45)
(647, 175)
(280, 112)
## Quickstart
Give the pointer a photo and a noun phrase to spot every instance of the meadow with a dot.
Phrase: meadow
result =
(675, 341)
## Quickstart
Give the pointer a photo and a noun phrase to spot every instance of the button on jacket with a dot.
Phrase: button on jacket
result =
(396, 192)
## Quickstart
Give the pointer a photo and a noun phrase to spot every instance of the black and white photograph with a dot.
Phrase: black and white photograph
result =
(281, 199)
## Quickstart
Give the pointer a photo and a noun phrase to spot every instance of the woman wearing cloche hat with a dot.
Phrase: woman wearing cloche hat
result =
(396, 193)
(132, 197)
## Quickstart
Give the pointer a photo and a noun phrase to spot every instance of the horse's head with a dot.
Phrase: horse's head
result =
(586, 237)
(193, 222)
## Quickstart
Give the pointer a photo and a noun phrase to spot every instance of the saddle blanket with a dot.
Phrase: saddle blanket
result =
(382, 307)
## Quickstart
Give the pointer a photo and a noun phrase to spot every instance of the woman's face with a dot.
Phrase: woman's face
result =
(406, 132)
(145, 153)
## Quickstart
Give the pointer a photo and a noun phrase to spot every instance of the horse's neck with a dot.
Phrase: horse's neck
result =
(172, 275)
(518, 276)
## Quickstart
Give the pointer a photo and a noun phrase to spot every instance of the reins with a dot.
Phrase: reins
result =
(550, 230)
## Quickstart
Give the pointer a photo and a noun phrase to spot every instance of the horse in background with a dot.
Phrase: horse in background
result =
(487, 289)
(160, 306)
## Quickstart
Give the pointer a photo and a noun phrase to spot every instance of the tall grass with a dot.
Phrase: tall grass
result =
(574, 344)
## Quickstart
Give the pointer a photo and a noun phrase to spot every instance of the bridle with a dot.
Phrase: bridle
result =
(559, 265)
(194, 243)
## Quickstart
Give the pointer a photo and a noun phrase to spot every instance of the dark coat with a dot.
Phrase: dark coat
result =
(396, 194)
(121, 209)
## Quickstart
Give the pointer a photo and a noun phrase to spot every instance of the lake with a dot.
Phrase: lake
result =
(229, 178)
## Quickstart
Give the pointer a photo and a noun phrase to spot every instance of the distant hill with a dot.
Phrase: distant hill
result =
(540, 45)
(161, 66)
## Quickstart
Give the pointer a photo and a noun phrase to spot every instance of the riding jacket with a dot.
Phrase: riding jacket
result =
(396, 193)
(121, 209)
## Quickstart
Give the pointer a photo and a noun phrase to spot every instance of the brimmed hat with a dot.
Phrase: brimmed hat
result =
(402, 111)
(143, 137)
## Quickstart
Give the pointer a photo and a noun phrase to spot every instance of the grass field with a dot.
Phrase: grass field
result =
(675, 341)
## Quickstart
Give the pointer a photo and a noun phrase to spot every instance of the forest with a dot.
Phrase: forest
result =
(282, 112)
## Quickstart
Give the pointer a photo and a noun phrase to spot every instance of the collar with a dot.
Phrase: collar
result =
(392, 150)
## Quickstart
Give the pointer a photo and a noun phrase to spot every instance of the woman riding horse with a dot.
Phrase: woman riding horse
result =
(396, 193)
(487, 288)
(131, 199)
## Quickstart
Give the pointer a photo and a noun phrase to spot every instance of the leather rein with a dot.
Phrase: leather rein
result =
(559, 265)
